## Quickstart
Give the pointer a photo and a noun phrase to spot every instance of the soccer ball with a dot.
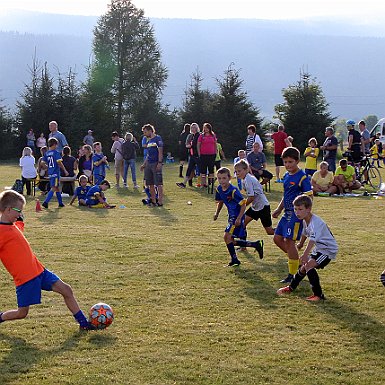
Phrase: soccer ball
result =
(101, 315)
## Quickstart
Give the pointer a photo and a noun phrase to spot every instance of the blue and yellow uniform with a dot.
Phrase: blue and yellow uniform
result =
(81, 192)
(52, 158)
(296, 184)
(233, 200)
(93, 194)
(99, 172)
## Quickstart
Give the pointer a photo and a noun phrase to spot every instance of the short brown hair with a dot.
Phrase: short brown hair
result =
(9, 198)
(303, 200)
(242, 164)
(224, 170)
(252, 127)
(52, 142)
(291, 152)
(148, 127)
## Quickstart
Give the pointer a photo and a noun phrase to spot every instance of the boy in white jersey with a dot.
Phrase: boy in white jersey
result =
(320, 250)
(260, 207)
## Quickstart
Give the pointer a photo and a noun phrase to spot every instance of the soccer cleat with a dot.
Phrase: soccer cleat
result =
(315, 298)
(45, 205)
(259, 248)
(234, 262)
(62, 205)
(87, 328)
(181, 185)
(284, 290)
(136, 187)
(145, 201)
(288, 279)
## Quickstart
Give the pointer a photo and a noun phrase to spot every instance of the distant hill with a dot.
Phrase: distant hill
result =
(270, 55)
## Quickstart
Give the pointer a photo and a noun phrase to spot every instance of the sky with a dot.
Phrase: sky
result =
(354, 10)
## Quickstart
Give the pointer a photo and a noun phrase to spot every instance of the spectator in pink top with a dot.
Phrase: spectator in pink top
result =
(280, 143)
(207, 151)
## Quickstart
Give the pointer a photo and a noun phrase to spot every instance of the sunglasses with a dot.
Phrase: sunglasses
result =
(17, 210)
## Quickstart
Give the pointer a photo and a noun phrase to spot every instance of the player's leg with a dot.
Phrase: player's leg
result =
(267, 223)
(279, 234)
(240, 233)
(382, 277)
(51, 192)
(316, 261)
(229, 240)
(14, 314)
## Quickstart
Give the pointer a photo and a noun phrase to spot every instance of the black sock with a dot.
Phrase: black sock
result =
(181, 170)
(298, 277)
(382, 278)
(314, 282)
(1, 319)
(232, 252)
(245, 243)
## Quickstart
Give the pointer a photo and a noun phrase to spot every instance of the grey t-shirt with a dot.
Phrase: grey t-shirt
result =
(365, 136)
(254, 189)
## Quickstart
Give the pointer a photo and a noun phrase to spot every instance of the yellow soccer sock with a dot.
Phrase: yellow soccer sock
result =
(199, 179)
(293, 266)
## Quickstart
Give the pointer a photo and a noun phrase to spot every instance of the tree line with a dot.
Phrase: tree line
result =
(123, 91)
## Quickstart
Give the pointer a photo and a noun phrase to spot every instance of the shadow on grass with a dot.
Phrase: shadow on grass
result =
(370, 332)
(21, 356)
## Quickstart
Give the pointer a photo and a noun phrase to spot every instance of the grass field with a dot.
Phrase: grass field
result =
(182, 316)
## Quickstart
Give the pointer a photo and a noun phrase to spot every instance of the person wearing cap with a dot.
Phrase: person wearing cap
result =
(89, 139)
(355, 142)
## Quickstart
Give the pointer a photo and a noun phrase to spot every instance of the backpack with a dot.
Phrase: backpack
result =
(18, 186)
(128, 150)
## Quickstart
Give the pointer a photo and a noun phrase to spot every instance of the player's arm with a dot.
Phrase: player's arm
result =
(73, 198)
(238, 221)
(301, 242)
(278, 210)
(304, 257)
(218, 210)
(160, 157)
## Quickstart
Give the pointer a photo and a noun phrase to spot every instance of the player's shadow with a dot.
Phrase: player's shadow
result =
(22, 357)
(50, 216)
(369, 331)
(164, 213)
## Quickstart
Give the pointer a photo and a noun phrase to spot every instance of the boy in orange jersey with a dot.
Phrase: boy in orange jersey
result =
(29, 275)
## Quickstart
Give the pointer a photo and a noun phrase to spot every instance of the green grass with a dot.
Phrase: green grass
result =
(181, 316)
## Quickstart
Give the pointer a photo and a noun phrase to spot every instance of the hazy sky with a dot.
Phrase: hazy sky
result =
(364, 11)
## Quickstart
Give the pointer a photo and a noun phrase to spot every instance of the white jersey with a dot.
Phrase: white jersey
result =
(254, 189)
(318, 232)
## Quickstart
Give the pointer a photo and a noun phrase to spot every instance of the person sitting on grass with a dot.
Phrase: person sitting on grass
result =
(95, 197)
(231, 197)
(322, 180)
(345, 178)
(320, 250)
(29, 274)
(81, 191)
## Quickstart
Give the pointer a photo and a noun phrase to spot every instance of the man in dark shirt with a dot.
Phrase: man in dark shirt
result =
(330, 148)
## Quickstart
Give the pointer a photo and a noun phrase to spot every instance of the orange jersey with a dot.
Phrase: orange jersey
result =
(16, 254)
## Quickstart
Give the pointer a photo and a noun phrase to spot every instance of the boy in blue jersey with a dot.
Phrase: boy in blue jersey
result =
(95, 197)
(81, 191)
(54, 163)
(99, 164)
(231, 197)
(289, 229)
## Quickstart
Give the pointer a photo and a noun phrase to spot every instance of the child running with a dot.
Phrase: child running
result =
(260, 207)
(320, 250)
(231, 197)
(29, 275)
(289, 229)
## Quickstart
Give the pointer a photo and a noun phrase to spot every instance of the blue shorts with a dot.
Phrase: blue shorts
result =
(29, 293)
(54, 181)
(289, 228)
(236, 232)
(98, 178)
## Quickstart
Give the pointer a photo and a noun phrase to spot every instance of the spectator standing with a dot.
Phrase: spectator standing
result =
(116, 149)
(183, 150)
(129, 148)
(28, 171)
(89, 139)
(311, 154)
(31, 140)
(41, 141)
(207, 150)
(219, 156)
(365, 137)
(279, 139)
(355, 142)
(329, 149)
(59, 136)
(252, 137)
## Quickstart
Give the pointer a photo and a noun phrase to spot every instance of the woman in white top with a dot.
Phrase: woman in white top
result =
(28, 171)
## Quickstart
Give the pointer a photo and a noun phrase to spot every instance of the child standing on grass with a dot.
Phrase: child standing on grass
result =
(53, 160)
(311, 154)
(99, 164)
(260, 207)
(231, 197)
(289, 229)
(320, 250)
(29, 275)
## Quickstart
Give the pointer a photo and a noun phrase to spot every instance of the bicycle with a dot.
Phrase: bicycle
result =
(367, 173)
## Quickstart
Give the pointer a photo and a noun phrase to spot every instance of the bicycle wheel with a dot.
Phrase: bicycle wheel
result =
(374, 177)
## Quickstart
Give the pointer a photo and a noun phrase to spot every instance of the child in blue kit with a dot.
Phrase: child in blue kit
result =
(81, 191)
(289, 229)
(53, 160)
(231, 197)
(95, 196)
(99, 164)
(29, 275)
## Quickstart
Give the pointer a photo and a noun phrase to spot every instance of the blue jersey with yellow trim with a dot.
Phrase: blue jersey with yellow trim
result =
(152, 149)
(232, 198)
(81, 192)
(101, 169)
(294, 185)
(52, 157)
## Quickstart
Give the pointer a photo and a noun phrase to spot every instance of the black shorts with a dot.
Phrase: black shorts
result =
(207, 164)
(321, 259)
(183, 153)
(264, 215)
(278, 160)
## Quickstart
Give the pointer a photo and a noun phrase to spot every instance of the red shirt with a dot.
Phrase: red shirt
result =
(16, 254)
(279, 142)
